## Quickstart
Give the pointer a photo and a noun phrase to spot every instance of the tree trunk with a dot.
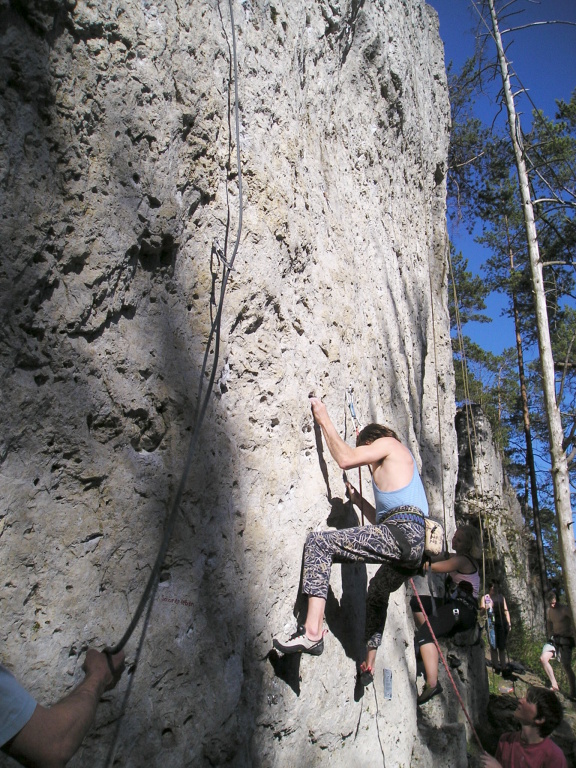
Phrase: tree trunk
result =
(559, 463)
(528, 434)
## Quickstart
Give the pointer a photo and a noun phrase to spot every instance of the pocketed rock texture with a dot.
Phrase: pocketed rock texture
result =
(485, 498)
(120, 203)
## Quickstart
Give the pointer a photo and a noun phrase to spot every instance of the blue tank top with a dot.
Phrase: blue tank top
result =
(412, 494)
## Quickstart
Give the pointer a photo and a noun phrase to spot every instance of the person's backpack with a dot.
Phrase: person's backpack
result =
(468, 636)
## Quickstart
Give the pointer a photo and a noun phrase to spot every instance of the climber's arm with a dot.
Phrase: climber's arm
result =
(364, 506)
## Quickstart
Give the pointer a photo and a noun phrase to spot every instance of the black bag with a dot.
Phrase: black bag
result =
(468, 636)
(563, 641)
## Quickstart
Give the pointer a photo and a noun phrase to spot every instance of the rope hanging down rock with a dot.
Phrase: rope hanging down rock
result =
(437, 644)
(213, 344)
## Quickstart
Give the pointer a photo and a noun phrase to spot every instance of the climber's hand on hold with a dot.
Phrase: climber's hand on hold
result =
(319, 411)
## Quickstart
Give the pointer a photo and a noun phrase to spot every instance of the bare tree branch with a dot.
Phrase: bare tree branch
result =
(538, 24)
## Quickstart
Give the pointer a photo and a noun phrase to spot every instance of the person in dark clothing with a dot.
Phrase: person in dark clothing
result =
(560, 631)
(458, 613)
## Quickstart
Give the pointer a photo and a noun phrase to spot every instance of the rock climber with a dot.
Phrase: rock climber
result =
(455, 614)
(560, 631)
(539, 713)
(395, 537)
(49, 737)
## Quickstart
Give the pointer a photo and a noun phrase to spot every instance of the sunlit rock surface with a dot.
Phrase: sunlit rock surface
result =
(120, 198)
(486, 498)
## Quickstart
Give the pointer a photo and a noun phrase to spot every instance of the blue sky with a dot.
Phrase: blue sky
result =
(544, 58)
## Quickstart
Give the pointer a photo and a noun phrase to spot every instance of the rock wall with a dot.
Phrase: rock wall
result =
(120, 196)
(485, 498)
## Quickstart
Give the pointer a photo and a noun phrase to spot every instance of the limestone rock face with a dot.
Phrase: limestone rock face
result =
(484, 492)
(121, 202)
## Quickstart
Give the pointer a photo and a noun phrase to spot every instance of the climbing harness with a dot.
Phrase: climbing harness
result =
(437, 644)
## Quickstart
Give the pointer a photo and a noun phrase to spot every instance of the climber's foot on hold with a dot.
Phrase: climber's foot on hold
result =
(428, 692)
(300, 643)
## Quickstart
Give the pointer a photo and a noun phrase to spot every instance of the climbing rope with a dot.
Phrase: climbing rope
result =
(356, 424)
(433, 318)
(471, 430)
(437, 644)
(212, 348)
(490, 32)
(378, 728)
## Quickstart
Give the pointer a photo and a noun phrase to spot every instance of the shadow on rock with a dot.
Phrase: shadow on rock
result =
(346, 618)
(287, 668)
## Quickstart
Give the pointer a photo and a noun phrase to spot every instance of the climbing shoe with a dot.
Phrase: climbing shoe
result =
(299, 643)
(428, 692)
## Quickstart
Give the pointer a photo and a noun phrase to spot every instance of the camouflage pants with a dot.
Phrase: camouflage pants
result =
(397, 544)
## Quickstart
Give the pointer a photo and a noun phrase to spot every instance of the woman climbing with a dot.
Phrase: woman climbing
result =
(458, 613)
(395, 538)
(494, 604)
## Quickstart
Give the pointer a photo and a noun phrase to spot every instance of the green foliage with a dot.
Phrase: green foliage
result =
(526, 648)
(471, 292)
(551, 545)
(468, 136)
(488, 380)
(483, 190)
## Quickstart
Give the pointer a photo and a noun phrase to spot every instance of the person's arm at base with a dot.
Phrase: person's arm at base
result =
(453, 563)
(53, 735)
(549, 625)
(487, 761)
(507, 614)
